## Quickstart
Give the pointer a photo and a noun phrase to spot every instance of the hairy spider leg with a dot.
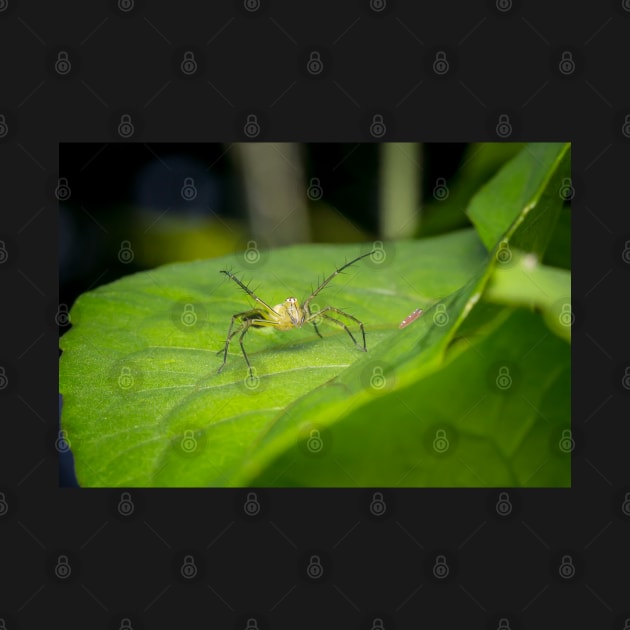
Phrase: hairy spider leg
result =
(327, 309)
(311, 319)
(330, 277)
(255, 317)
(249, 292)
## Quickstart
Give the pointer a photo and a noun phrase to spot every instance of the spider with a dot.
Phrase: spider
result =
(289, 314)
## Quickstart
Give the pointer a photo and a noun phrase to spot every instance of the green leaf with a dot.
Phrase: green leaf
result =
(144, 405)
(138, 382)
(494, 433)
(523, 201)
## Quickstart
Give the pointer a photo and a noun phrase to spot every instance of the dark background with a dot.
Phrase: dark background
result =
(378, 60)
(119, 191)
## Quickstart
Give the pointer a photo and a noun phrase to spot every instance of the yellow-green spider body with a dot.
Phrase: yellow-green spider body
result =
(287, 315)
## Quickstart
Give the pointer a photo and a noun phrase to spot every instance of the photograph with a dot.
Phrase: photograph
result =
(315, 315)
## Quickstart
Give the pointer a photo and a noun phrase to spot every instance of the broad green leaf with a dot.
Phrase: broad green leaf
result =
(493, 416)
(140, 385)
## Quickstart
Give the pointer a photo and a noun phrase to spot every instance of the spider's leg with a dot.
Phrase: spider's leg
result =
(247, 290)
(240, 340)
(311, 319)
(244, 324)
(327, 309)
(330, 277)
(248, 324)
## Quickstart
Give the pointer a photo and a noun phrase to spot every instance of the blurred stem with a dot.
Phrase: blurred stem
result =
(273, 176)
(399, 185)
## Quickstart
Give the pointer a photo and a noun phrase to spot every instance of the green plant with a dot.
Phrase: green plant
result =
(476, 392)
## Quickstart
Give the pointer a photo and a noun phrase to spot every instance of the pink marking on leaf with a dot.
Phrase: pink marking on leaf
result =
(411, 318)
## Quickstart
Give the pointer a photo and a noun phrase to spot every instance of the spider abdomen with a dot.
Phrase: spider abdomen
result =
(290, 314)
